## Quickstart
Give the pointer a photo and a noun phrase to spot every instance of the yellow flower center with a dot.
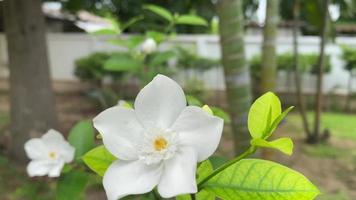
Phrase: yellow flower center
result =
(160, 143)
(52, 155)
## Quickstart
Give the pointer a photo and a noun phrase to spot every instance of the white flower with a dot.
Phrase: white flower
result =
(48, 154)
(158, 143)
(149, 46)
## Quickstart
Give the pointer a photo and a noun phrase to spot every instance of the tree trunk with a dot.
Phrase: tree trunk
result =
(298, 87)
(237, 76)
(269, 60)
(349, 92)
(31, 96)
(319, 84)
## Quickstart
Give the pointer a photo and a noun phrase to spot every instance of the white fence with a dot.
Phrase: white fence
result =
(64, 49)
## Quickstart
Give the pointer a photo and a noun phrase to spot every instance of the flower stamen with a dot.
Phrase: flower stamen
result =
(52, 155)
(160, 143)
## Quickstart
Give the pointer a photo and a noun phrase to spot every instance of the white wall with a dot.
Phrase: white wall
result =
(64, 49)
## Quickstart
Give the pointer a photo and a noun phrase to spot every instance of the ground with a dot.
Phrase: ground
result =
(331, 166)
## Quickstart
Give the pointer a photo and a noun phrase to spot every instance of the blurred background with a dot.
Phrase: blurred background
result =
(64, 61)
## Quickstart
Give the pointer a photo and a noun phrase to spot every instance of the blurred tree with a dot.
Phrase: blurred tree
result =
(349, 56)
(31, 95)
(237, 78)
(297, 71)
(269, 59)
(315, 137)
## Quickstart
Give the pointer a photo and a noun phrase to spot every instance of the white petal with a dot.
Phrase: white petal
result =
(52, 136)
(200, 130)
(38, 168)
(160, 102)
(56, 169)
(120, 130)
(179, 174)
(130, 177)
(67, 152)
(36, 149)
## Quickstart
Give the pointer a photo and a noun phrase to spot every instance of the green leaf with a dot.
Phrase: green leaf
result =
(262, 113)
(218, 161)
(260, 179)
(191, 20)
(221, 113)
(204, 169)
(161, 58)
(157, 36)
(81, 137)
(277, 121)
(122, 63)
(99, 159)
(284, 145)
(193, 101)
(162, 12)
(105, 31)
(72, 185)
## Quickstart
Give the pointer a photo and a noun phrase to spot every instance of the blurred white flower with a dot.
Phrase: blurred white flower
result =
(149, 46)
(158, 143)
(48, 154)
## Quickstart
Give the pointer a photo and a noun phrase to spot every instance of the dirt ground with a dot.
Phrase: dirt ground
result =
(335, 175)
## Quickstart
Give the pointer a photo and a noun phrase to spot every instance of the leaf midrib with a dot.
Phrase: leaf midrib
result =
(255, 190)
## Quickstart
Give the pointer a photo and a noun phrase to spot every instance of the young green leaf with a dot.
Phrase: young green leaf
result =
(207, 109)
(284, 145)
(191, 20)
(81, 137)
(193, 101)
(277, 121)
(161, 58)
(72, 185)
(162, 12)
(262, 113)
(260, 179)
(99, 159)
(204, 169)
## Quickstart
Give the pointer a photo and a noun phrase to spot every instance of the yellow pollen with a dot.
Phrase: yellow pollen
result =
(160, 143)
(52, 155)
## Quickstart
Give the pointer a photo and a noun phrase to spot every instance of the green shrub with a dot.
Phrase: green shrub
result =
(91, 67)
(190, 60)
(349, 56)
(307, 63)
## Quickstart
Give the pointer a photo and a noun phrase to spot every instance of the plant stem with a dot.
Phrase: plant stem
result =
(248, 152)
(156, 195)
(192, 196)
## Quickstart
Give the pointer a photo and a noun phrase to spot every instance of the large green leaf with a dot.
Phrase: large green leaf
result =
(191, 20)
(122, 63)
(164, 13)
(99, 159)
(72, 185)
(262, 114)
(204, 169)
(81, 137)
(284, 145)
(251, 179)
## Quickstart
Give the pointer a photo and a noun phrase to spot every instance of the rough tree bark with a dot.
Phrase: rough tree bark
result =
(31, 96)
(237, 77)
(269, 59)
(299, 93)
(319, 84)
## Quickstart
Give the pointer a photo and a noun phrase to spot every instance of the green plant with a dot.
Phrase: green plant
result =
(307, 64)
(190, 60)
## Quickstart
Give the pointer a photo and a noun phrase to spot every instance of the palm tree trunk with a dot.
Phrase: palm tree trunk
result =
(237, 76)
(299, 93)
(319, 84)
(269, 60)
(31, 96)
